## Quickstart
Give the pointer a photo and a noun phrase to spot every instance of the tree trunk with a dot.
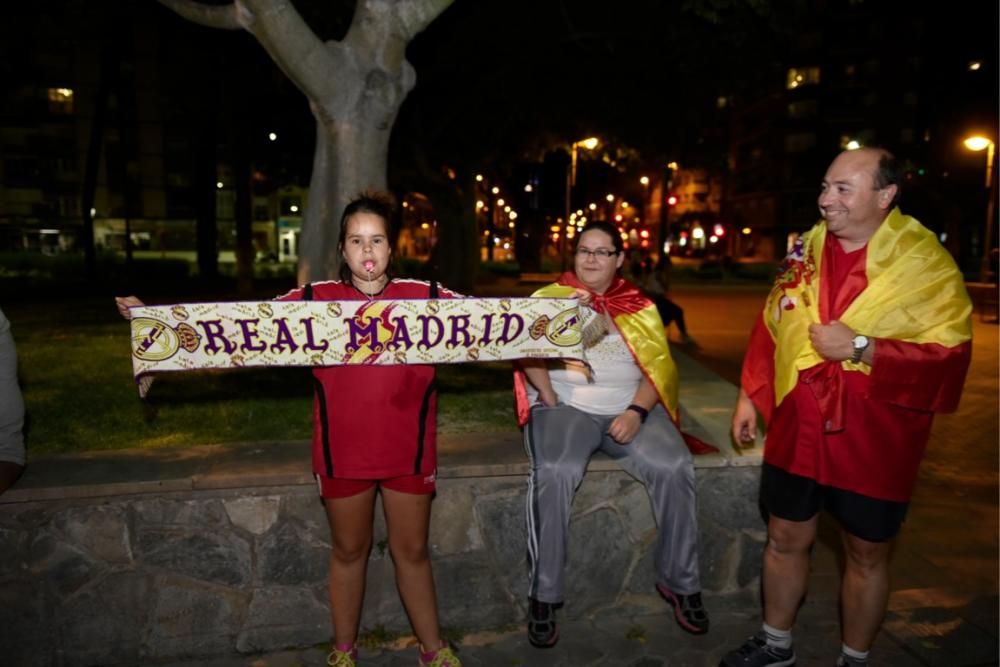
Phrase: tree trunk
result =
(351, 155)
(244, 216)
(455, 258)
(108, 78)
(206, 175)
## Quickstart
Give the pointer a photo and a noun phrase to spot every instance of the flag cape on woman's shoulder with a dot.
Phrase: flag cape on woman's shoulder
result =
(637, 319)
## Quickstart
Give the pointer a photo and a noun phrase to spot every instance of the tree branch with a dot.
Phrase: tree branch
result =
(293, 45)
(411, 16)
(224, 17)
(415, 15)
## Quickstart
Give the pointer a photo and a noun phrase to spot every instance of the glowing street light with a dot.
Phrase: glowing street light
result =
(977, 143)
(590, 143)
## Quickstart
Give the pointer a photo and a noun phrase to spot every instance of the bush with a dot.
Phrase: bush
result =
(508, 269)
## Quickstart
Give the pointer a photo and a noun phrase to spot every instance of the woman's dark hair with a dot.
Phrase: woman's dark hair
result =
(607, 228)
(375, 202)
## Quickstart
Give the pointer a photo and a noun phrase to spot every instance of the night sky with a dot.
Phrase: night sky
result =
(505, 80)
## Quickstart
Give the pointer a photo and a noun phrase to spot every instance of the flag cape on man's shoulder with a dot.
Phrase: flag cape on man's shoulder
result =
(915, 293)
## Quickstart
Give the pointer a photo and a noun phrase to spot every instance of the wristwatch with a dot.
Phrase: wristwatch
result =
(860, 343)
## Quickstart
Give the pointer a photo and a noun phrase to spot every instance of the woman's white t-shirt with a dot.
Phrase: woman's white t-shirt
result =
(611, 386)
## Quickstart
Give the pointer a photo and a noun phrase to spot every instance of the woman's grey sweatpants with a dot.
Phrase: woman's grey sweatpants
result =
(560, 442)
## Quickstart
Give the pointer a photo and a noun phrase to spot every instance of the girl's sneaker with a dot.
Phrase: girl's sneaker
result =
(344, 655)
(443, 657)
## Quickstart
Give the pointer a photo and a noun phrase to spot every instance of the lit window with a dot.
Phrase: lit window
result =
(61, 100)
(801, 76)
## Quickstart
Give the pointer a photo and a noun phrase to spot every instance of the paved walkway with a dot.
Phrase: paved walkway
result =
(937, 635)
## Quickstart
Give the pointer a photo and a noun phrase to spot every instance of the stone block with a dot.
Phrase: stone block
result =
(12, 551)
(718, 550)
(633, 504)
(219, 557)
(470, 595)
(641, 577)
(501, 522)
(596, 568)
(188, 619)
(598, 489)
(255, 514)
(453, 523)
(289, 555)
(104, 624)
(729, 497)
(281, 617)
(194, 513)
(304, 505)
(63, 567)
(26, 634)
(99, 530)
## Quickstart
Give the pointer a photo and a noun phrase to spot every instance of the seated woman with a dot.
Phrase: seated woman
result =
(625, 406)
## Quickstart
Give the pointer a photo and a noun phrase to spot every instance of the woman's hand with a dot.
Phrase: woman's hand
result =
(548, 398)
(126, 302)
(625, 427)
(583, 295)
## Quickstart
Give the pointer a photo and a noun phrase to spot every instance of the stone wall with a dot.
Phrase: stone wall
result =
(126, 578)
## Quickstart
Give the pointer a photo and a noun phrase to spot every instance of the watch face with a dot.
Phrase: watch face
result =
(860, 342)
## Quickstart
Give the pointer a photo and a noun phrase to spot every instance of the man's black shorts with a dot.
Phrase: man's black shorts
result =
(796, 498)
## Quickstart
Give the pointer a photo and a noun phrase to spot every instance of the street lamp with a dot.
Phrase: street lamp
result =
(977, 143)
(590, 143)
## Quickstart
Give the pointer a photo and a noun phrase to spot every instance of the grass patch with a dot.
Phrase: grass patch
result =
(76, 377)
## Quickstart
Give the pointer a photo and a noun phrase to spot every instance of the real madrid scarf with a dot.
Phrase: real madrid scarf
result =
(196, 336)
(915, 294)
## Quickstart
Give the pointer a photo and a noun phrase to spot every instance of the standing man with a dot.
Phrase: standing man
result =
(865, 335)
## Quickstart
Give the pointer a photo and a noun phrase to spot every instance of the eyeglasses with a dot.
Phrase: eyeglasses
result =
(600, 253)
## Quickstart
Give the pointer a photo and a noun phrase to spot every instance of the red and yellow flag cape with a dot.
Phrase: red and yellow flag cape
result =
(915, 293)
(640, 325)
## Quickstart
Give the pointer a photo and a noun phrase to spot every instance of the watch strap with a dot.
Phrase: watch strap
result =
(858, 351)
(643, 412)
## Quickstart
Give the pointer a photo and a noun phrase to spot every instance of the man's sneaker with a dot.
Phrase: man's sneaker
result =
(848, 661)
(756, 653)
(688, 610)
(443, 657)
(542, 629)
(344, 655)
